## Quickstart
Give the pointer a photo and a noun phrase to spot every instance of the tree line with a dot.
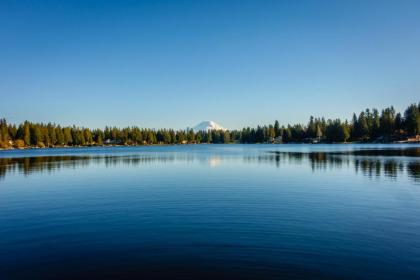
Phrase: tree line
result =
(369, 125)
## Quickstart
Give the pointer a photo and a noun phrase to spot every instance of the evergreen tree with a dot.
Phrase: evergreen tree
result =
(387, 121)
(52, 134)
(207, 138)
(355, 131)
(363, 126)
(412, 120)
(36, 135)
(287, 135)
(87, 135)
(67, 135)
(277, 131)
(375, 124)
(60, 135)
(271, 133)
(4, 131)
(13, 131)
(319, 133)
(312, 128)
(226, 137)
(27, 134)
(191, 136)
(398, 122)
(45, 136)
(259, 135)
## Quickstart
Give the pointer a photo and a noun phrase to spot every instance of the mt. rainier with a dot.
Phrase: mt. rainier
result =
(208, 125)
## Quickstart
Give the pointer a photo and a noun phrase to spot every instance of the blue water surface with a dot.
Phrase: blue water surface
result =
(211, 211)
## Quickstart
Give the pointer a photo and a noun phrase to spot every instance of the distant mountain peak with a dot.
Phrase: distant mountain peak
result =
(207, 126)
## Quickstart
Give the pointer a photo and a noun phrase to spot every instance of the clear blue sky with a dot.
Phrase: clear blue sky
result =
(176, 63)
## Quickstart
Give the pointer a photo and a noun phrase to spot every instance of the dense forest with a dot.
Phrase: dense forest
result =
(368, 126)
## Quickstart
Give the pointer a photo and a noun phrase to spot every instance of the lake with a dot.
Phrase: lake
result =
(211, 211)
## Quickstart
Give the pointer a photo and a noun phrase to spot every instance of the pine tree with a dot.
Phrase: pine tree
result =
(60, 136)
(277, 128)
(67, 135)
(311, 131)
(208, 138)
(287, 135)
(226, 137)
(376, 124)
(191, 136)
(259, 135)
(387, 121)
(271, 133)
(36, 137)
(27, 134)
(87, 135)
(4, 133)
(355, 131)
(52, 134)
(398, 122)
(412, 120)
(363, 127)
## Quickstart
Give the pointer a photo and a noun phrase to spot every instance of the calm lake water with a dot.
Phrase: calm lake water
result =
(211, 211)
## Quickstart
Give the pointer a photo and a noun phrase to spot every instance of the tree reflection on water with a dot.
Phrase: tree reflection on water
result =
(371, 163)
(390, 163)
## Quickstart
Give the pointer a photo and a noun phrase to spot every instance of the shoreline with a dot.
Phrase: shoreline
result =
(162, 145)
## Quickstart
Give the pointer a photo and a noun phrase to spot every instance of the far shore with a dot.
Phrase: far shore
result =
(408, 141)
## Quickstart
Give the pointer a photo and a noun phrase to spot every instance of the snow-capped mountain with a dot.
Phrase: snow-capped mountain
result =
(208, 125)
